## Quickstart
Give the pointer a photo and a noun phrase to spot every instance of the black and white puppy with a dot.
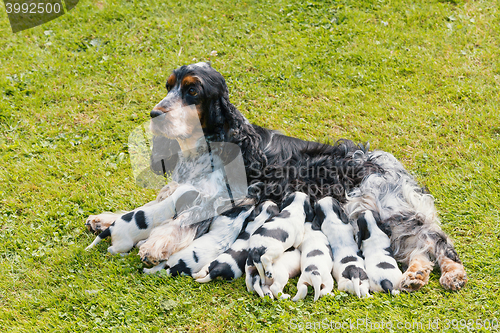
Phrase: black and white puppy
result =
(285, 267)
(381, 267)
(135, 226)
(316, 263)
(348, 265)
(285, 230)
(223, 231)
(231, 264)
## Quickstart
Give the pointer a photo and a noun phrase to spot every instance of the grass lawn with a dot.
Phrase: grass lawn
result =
(419, 79)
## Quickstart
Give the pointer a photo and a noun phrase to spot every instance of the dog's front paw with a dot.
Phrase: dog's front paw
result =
(147, 259)
(454, 279)
(414, 280)
(98, 223)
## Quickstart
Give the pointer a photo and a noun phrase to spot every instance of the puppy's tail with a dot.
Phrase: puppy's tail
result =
(100, 237)
(387, 286)
(316, 282)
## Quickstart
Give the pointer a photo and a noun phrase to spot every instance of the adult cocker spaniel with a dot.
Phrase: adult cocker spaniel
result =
(275, 166)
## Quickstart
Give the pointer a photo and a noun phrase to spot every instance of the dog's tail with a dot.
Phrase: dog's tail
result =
(100, 237)
(387, 286)
(316, 282)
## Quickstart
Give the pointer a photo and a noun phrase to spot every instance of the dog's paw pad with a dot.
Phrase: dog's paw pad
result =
(454, 280)
(413, 281)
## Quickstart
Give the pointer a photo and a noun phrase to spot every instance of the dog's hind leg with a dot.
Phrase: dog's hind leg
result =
(453, 276)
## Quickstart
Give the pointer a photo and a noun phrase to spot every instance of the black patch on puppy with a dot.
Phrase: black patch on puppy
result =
(239, 257)
(360, 254)
(128, 217)
(389, 251)
(311, 268)
(385, 265)
(195, 257)
(235, 212)
(285, 214)
(244, 235)
(180, 268)
(352, 272)
(223, 270)
(315, 273)
(348, 259)
(255, 254)
(105, 233)
(386, 285)
(314, 253)
(140, 219)
(278, 233)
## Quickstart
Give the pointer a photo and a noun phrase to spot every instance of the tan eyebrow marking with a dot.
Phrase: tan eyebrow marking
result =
(189, 79)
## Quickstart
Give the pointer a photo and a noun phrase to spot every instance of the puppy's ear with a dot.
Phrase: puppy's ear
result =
(363, 232)
(308, 210)
(315, 225)
(385, 227)
(272, 210)
(287, 201)
(337, 208)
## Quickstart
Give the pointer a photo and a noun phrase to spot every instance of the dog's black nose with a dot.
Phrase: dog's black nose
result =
(155, 113)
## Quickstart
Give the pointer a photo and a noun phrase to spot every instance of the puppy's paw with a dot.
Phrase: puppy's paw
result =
(284, 296)
(98, 223)
(454, 279)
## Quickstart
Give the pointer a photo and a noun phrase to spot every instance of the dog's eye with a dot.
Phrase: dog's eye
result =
(192, 92)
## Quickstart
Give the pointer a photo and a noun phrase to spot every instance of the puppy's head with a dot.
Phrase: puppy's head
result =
(193, 102)
(302, 198)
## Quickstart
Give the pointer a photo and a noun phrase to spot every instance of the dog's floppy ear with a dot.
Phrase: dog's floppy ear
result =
(308, 210)
(339, 211)
(287, 201)
(363, 232)
(319, 217)
(385, 227)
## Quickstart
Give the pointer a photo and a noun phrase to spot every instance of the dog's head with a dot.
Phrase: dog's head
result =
(200, 87)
